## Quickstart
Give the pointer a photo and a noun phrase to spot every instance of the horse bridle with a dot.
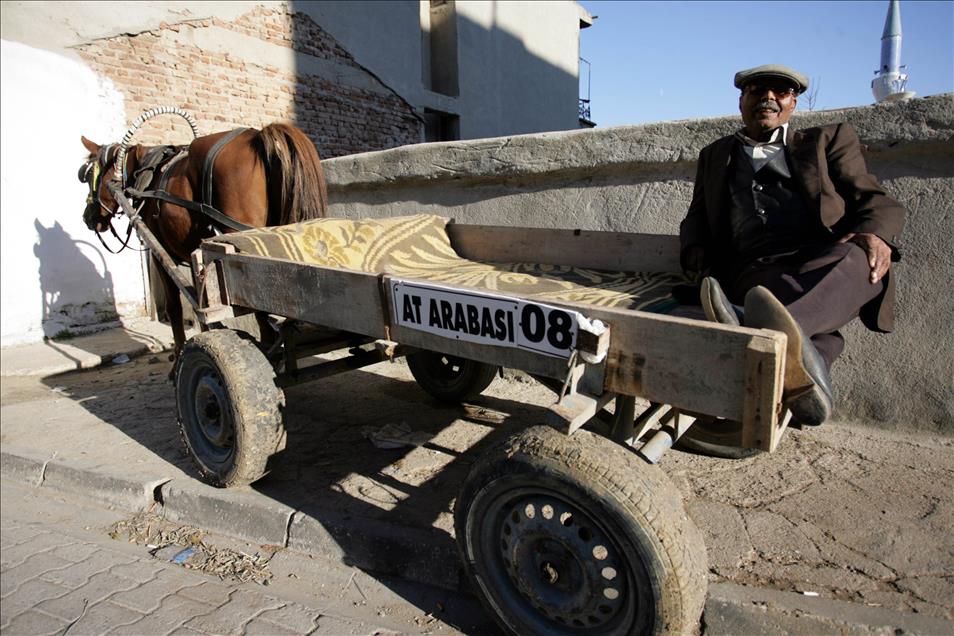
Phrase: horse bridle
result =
(91, 172)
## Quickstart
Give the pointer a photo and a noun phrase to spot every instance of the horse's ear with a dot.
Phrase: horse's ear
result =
(92, 147)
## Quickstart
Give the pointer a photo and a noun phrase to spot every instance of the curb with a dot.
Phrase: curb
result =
(78, 477)
(23, 466)
(415, 554)
(236, 513)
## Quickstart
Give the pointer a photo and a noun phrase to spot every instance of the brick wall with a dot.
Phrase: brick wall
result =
(195, 64)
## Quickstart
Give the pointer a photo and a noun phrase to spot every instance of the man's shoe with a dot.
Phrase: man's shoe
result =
(814, 406)
(808, 393)
(715, 304)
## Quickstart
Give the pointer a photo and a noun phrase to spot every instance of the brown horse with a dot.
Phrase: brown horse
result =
(261, 177)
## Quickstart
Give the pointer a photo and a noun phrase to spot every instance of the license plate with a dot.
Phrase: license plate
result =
(485, 318)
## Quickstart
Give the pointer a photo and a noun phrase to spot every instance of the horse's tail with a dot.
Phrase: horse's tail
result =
(296, 183)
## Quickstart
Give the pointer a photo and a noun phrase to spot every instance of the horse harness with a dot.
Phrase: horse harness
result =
(161, 159)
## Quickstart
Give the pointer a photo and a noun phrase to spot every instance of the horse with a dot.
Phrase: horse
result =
(255, 178)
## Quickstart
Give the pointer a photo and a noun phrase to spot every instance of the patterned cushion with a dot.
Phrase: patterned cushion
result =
(417, 247)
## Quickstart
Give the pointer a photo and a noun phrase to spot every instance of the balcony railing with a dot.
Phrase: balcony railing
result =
(585, 109)
(585, 119)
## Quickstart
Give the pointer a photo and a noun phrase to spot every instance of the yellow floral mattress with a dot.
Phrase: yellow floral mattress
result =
(418, 247)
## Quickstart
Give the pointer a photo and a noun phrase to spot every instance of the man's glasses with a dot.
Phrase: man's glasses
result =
(760, 89)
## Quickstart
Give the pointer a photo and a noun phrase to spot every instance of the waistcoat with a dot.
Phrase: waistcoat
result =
(767, 214)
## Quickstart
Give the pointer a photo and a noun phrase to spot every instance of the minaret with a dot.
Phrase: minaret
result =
(889, 83)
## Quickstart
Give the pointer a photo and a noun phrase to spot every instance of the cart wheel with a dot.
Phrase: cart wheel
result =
(450, 378)
(715, 438)
(229, 407)
(575, 535)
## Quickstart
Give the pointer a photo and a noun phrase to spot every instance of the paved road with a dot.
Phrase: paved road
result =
(61, 573)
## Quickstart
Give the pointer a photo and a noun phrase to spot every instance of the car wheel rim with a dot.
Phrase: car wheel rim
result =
(561, 563)
(213, 429)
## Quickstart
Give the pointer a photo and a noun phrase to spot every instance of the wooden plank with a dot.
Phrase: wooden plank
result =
(213, 305)
(695, 366)
(575, 410)
(211, 245)
(528, 361)
(147, 237)
(762, 426)
(335, 298)
(613, 251)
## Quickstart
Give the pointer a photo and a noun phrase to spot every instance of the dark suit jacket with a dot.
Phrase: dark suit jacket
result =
(830, 172)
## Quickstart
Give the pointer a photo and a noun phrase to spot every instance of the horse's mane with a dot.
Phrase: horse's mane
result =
(293, 165)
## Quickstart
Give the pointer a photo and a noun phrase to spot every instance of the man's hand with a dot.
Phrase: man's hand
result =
(879, 253)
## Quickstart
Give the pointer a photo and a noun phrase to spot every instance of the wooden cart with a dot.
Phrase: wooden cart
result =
(563, 529)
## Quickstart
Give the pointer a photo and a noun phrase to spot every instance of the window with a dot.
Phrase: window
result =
(440, 126)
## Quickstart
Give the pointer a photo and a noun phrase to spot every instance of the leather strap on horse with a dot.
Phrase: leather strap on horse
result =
(210, 163)
(192, 206)
(159, 156)
(156, 159)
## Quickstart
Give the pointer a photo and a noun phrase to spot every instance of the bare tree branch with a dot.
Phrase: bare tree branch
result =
(811, 97)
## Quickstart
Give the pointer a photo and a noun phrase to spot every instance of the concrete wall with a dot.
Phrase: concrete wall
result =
(518, 61)
(639, 178)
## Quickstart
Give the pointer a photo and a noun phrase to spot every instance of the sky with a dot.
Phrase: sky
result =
(660, 61)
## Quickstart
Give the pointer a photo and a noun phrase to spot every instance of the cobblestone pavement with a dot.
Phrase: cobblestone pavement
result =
(60, 574)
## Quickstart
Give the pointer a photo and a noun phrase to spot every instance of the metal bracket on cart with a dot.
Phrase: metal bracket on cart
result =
(574, 408)
(663, 424)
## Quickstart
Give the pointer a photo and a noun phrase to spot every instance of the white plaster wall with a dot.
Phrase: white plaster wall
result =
(54, 274)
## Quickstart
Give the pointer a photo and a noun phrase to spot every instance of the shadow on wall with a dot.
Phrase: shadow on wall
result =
(74, 292)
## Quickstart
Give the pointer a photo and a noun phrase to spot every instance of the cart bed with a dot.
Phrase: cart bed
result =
(418, 247)
(348, 275)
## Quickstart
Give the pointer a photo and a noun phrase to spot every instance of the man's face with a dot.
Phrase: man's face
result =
(766, 104)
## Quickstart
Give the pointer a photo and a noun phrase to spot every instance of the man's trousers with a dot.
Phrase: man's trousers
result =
(823, 288)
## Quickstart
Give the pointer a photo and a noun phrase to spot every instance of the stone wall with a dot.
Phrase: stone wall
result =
(268, 64)
(639, 178)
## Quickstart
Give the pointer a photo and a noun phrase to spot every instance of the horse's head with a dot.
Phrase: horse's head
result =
(97, 171)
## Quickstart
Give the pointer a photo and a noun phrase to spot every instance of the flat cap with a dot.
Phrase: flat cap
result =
(750, 75)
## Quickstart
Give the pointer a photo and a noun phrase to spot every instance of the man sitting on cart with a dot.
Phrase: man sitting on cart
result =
(794, 229)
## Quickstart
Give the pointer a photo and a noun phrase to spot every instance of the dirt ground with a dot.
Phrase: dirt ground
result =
(849, 513)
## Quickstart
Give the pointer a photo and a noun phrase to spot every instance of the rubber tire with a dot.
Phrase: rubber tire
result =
(435, 373)
(604, 486)
(715, 438)
(228, 373)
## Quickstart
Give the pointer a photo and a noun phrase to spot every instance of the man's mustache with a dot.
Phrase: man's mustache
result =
(767, 104)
